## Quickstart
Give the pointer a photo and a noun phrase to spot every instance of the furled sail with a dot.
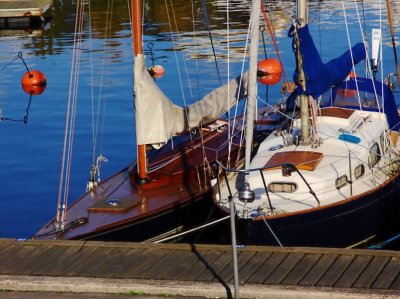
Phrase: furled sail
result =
(158, 119)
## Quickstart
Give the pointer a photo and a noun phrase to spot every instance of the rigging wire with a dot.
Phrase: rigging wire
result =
(393, 40)
(228, 112)
(368, 61)
(182, 52)
(351, 52)
(365, 33)
(61, 214)
(262, 30)
(9, 63)
(236, 123)
(176, 56)
(174, 43)
(206, 163)
(196, 49)
(207, 20)
(97, 125)
(380, 55)
(273, 40)
(319, 29)
(24, 119)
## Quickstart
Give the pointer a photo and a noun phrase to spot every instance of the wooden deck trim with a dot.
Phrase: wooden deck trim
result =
(337, 112)
(303, 160)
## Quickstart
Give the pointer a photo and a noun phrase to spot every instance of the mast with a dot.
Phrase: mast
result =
(252, 88)
(302, 17)
(138, 49)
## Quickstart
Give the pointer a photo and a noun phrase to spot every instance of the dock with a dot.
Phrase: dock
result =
(24, 8)
(197, 270)
(23, 13)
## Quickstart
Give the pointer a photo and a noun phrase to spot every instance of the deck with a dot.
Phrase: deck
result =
(110, 267)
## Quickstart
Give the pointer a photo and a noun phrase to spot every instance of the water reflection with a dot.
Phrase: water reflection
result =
(183, 21)
(36, 148)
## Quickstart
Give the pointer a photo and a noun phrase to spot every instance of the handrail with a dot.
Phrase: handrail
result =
(290, 166)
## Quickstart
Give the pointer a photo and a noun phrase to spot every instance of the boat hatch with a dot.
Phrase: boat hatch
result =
(337, 112)
(115, 204)
(303, 160)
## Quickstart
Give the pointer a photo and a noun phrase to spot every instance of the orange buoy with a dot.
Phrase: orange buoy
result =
(156, 71)
(269, 71)
(33, 89)
(33, 82)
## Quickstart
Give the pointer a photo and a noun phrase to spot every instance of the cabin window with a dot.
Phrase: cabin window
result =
(374, 155)
(359, 171)
(341, 181)
(283, 187)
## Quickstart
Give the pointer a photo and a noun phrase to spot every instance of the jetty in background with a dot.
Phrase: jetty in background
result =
(23, 13)
(197, 270)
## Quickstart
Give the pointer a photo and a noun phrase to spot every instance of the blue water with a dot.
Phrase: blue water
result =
(30, 155)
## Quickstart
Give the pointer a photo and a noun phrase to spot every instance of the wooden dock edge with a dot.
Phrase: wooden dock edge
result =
(196, 270)
(24, 8)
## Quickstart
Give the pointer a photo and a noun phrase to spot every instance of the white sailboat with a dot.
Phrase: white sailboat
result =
(331, 178)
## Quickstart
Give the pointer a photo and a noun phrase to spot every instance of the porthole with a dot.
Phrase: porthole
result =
(374, 155)
(341, 181)
(283, 187)
(359, 171)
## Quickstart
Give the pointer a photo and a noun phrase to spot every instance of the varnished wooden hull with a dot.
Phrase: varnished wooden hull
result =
(177, 196)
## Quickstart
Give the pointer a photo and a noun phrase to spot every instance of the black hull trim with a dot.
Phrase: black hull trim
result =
(343, 225)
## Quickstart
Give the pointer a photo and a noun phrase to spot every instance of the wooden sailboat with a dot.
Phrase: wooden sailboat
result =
(331, 178)
(167, 190)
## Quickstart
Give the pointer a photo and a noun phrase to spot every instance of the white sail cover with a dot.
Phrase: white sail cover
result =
(158, 119)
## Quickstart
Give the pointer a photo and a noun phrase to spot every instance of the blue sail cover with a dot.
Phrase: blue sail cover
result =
(366, 94)
(319, 76)
(322, 77)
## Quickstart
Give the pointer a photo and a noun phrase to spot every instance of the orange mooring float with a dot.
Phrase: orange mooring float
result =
(269, 71)
(33, 82)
